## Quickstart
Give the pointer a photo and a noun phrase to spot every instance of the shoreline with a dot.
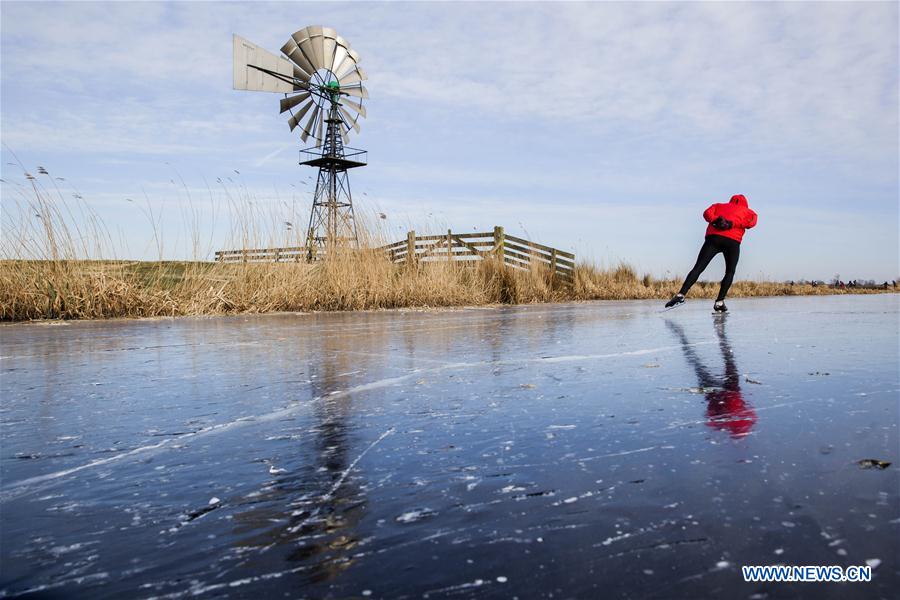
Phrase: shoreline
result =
(62, 321)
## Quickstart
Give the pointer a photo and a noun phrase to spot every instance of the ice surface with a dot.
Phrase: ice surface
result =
(578, 450)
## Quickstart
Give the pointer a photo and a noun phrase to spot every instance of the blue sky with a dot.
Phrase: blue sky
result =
(604, 128)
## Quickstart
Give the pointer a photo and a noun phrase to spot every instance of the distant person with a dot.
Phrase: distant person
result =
(727, 223)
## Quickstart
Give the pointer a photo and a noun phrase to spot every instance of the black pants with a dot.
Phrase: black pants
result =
(714, 244)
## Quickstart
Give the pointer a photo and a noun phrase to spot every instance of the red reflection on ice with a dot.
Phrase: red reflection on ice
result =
(726, 410)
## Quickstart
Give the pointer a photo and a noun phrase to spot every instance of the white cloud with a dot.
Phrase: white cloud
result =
(768, 73)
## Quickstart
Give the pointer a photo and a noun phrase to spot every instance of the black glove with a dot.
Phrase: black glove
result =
(722, 224)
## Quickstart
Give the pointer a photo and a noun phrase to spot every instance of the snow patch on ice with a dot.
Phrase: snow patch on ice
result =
(415, 515)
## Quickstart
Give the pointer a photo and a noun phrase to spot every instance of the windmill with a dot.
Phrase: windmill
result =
(321, 80)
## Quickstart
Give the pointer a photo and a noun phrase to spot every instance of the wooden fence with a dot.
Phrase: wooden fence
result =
(513, 251)
(290, 254)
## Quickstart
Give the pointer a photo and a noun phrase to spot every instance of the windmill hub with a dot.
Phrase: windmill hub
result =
(318, 73)
(335, 89)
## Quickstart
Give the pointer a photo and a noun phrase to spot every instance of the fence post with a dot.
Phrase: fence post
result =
(410, 247)
(499, 241)
(449, 246)
(310, 249)
(553, 263)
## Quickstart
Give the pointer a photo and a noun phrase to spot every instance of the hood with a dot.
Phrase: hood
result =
(740, 200)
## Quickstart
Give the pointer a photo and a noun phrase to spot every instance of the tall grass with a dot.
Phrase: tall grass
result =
(57, 261)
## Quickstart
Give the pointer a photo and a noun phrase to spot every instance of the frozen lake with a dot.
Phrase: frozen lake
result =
(579, 450)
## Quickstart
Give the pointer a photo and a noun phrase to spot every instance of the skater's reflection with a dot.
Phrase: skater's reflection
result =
(726, 409)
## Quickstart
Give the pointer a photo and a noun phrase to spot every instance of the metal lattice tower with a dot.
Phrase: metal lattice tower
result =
(318, 73)
(332, 221)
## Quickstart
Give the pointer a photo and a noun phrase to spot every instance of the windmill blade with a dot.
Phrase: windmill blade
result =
(356, 90)
(310, 126)
(306, 130)
(291, 102)
(299, 38)
(344, 126)
(300, 35)
(295, 118)
(329, 44)
(292, 51)
(348, 63)
(306, 44)
(355, 76)
(317, 39)
(340, 53)
(301, 75)
(246, 55)
(357, 107)
(304, 134)
(349, 118)
(319, 137)
(345, 66)
(345, 130)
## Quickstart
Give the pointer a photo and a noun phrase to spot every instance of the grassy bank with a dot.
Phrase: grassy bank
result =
(73, 289)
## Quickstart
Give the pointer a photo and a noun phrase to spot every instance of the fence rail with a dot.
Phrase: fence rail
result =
(290, 254)
(513, 251)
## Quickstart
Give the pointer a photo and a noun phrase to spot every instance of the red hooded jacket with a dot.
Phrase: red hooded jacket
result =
(737, 211)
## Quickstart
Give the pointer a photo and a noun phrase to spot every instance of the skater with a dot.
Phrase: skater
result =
(727, 223)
